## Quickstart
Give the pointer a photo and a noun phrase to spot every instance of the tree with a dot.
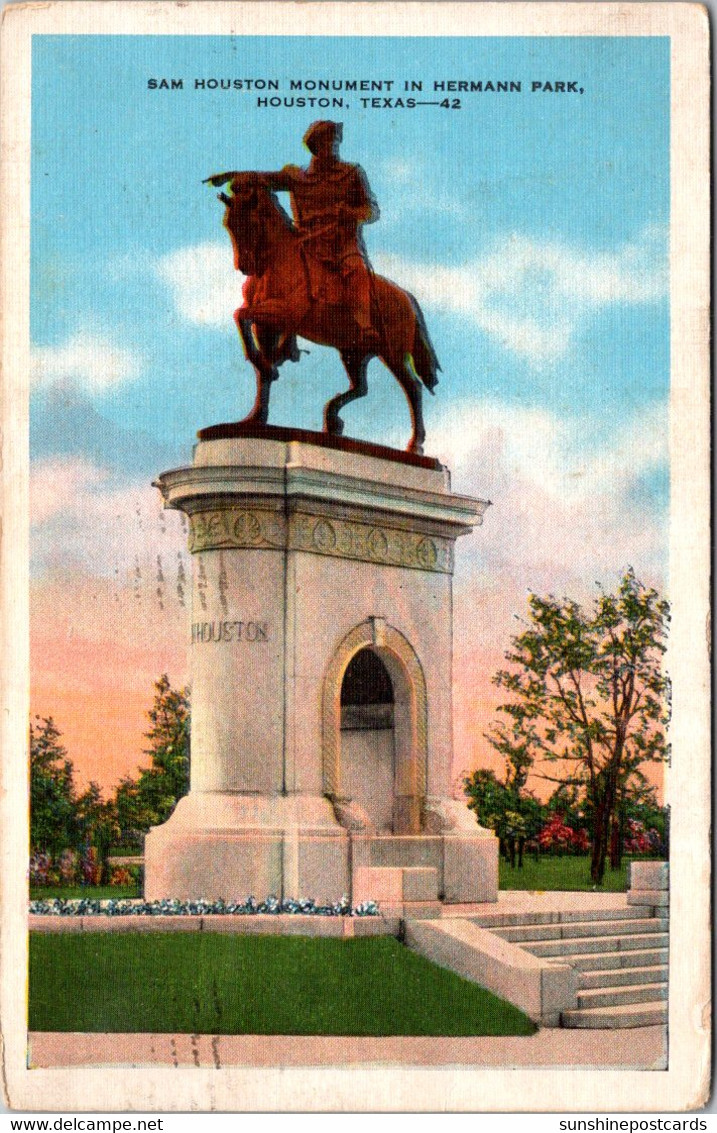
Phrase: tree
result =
(637, 810)
(97, 822)
(61, 819)
(150, 799)
(513, 814)
(53, 821)
(589, 692)
(568, 801)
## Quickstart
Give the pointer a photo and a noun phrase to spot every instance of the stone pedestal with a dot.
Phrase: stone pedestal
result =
(305, 555)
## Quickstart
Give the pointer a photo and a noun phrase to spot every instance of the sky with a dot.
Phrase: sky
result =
(533, 229)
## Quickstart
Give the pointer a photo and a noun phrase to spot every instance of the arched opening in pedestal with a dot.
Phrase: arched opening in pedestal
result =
(368, 756)
(374, 731)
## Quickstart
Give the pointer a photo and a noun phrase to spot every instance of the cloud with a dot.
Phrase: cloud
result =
(416, 195)
(530, 297)
(87, 359)
(533, 298)
(501, 441)
(566, 512)
(56, 485)
(203, 283)
(84, 519)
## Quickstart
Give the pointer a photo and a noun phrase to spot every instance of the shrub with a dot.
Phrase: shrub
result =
(580, 841)
(68, 866)
(40, 866)
(556, 835)
(120, 875)
(91, 867)
(638, 840)
(173, 908)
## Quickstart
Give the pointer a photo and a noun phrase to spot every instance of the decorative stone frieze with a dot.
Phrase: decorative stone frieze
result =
(241, 527)
(221, 528)
(370, 542)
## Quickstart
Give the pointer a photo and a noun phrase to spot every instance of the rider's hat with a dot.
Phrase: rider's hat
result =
(321, 129)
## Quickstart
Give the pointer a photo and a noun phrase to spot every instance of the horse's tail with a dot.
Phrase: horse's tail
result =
(425, 362)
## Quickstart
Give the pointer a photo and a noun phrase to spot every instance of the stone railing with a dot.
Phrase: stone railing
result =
(649, 884)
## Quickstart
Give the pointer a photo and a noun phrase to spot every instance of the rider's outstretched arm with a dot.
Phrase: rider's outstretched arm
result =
(218, 179)
(282, 180)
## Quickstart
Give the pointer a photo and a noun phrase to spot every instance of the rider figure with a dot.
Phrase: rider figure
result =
(331, 201)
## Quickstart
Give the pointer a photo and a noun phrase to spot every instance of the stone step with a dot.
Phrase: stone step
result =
(610, 1018)
(615, 977)
(572, 916)
(614, 996)
(596, 944)
(633, 958)
(527, 933)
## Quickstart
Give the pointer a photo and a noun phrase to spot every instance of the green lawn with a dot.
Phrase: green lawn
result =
(569, 872)
(212, 983)
(92, 892)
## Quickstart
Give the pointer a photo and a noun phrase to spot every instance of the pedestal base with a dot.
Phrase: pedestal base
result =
(229, 846)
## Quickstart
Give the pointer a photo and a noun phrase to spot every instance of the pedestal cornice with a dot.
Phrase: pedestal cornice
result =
(279, 501)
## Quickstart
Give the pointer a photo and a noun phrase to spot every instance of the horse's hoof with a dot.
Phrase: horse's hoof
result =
(415, 448)
(334, 427)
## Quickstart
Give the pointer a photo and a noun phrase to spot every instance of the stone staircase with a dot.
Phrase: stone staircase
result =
(620, 956)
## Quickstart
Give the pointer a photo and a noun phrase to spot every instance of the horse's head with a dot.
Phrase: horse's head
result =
(244, 226)
(253, 216)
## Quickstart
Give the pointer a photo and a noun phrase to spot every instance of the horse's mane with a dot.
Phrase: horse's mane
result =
(269, 203)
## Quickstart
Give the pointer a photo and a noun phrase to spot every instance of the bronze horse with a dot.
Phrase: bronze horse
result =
(282, 300)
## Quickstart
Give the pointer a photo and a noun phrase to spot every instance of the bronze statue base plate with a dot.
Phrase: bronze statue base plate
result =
(307, 436)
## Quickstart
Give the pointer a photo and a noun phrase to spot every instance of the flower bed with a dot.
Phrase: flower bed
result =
(86, 906)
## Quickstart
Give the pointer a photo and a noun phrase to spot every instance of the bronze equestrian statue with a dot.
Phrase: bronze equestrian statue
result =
(311, 277)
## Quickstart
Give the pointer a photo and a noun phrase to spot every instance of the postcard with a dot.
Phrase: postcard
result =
(355, 553)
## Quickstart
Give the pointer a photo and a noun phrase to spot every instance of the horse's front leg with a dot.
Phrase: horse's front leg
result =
(355, 365)
(264, 367)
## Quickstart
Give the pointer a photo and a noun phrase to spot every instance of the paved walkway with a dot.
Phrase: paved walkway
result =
(540, 901)
(642, 1048)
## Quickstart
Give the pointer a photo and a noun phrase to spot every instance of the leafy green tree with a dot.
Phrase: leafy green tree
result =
(568, 801)
(60, 817)
(149, 799)
(169, 737)
(512, 813)
(637, 802)
(97, 822)
(53, 819)
(487, 796)
(588, 693)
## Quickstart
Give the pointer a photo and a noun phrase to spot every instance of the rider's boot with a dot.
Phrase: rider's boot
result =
(367, 337)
